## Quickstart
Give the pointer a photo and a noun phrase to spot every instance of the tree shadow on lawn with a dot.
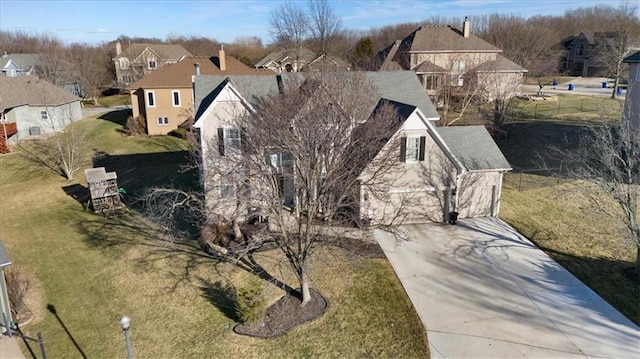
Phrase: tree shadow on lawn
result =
(119, 117)
(528, 143)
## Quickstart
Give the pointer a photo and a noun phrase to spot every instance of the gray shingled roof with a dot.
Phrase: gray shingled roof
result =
(4, 258)
(29, 90)
(474, 148)
(399, 86)
(23, 61)
(633, 59)
(500, 64)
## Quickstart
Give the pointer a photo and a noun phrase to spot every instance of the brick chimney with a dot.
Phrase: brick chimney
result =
(118, 48)
(465, 27)
(223, 59)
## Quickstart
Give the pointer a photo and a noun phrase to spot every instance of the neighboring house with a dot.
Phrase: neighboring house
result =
(165, 97)
(446, 58)
(140, 59)
(35, 108)
(576, 58)
(439, 170)
(583, 53)
(60, 72)
(306, 60)
(5, 306)
(632, 101)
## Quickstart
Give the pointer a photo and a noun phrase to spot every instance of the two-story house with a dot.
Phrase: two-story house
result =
(304, 60)
(438, 170)
(584, 54)
(165, 97)
(445, 56)
(49, 67)
(140, 59)
(632, 101)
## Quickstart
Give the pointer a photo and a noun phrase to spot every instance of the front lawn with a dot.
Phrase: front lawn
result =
(87, 270)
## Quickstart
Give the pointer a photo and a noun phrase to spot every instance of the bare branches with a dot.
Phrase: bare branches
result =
(325, 24)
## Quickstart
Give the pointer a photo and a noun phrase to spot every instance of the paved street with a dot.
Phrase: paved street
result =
(483, 290)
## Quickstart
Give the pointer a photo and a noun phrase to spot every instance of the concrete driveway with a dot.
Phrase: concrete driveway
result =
(483, 290)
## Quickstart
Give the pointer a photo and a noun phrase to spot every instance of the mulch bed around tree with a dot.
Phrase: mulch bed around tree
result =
(285, 314)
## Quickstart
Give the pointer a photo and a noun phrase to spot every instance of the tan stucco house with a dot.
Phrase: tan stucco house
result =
(140, 59)
(165, 97)
(632, 101)
(446, 57)
(438, 170)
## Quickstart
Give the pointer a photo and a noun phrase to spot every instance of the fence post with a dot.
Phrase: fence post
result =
(41, 345)
(535, 113)
(558, 105)
(520, 183)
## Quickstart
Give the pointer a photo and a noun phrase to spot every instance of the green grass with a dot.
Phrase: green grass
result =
(110, 101)
(569, 107)
(93, 270)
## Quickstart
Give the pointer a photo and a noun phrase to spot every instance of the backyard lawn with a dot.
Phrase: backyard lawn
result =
(86, 271)
(558, 218)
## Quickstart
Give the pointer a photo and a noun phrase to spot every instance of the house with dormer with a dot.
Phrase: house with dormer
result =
(438, 170)
(303, 60)
(446, 57)
(165, 97)
(140, 59)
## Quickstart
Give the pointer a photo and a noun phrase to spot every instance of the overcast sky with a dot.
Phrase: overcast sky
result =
(96, 21)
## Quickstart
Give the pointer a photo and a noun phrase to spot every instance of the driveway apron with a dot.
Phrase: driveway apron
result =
(483, 290)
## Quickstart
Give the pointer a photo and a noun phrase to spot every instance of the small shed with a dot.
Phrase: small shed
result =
(103, 187)
(5, 306)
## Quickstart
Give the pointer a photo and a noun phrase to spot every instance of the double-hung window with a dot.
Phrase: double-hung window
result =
(175, 98)
(229, 141)
(44, 115)
(152, 64)
(151, 99)
(227, 187)
(412, 149)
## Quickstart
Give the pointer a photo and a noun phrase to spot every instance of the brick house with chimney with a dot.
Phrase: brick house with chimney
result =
(165, 97)
(140, 59)
(445, 58)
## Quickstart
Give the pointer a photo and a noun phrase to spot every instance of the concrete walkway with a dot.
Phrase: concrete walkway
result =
(9, 348)
(483, 290)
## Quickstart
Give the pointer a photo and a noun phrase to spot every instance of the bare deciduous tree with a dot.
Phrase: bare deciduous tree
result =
(607, 165)
(289, 28)
(66, 150)
(616, 44)
(92, 66)
(325, 25)
(301, 158)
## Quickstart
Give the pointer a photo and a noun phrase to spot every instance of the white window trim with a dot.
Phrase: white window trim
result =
(125, 62)
(409, 156)
(153, 59)
(162, 121)
(44, 114)
(173, 92)
(146, 98)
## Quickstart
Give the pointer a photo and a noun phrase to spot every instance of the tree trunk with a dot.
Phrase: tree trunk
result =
(304, 285)
(638, 261)
(614, 93)
(237, 233)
